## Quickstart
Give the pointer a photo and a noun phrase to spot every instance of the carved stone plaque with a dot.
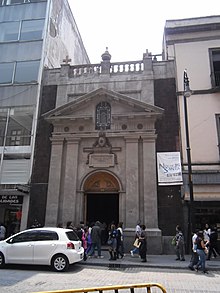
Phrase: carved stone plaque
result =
(101, 160)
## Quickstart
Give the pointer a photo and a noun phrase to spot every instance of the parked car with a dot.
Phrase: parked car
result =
(56, 247)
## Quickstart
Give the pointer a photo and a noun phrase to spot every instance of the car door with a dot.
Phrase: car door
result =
(20, 248)
(44, 246)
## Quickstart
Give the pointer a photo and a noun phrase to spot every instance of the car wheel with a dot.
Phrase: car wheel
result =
(2, 260)
(60, 263)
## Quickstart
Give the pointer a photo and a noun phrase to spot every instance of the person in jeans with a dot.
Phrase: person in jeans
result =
(201, 253)
(137, 235)
(96, 240)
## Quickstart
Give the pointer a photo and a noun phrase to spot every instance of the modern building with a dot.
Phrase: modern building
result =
(34, 34)
(194, 45)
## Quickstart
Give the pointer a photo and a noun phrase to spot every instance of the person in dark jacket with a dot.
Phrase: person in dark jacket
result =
(213, 247)
(143, 247)
(96, 240)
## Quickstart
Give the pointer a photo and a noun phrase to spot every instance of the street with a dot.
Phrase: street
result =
(28, 279)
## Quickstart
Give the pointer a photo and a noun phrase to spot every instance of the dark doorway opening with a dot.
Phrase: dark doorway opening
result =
(103, 207)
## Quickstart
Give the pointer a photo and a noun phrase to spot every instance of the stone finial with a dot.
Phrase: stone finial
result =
(106, 56)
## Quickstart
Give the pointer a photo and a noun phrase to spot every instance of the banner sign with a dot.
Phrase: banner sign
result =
(169, 168)
(11, 199)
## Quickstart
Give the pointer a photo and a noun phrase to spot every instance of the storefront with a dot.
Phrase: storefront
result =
(12, 211)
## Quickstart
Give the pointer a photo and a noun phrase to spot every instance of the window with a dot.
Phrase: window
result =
(103, 116)
(46, 235)
(19, 126)
(26, 71)
(24, 237)
(19, 72)
(215, 67)
(27, 30)
(9, 31)
(32, 30)
(6, 72)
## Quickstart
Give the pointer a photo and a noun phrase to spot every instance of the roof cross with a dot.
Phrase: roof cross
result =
(67, 60)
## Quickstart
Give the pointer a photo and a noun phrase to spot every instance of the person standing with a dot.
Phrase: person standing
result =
(137, 235)
(194, 258)
(120, 241)
(2, 231)
(180, 249)
(112, 241)
(201, 252)
(96, 240)
(213, 246)
(143, 246)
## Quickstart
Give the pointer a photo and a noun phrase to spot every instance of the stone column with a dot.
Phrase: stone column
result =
(53, 193)
(132, 183)
(150, 194)
(69, 208)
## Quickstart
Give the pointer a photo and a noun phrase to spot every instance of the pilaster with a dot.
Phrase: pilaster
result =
(69, 208)
(53, 193)
(132, 182)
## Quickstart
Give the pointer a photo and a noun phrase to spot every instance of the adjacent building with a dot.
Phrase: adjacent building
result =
(194, 45)
(34, 35)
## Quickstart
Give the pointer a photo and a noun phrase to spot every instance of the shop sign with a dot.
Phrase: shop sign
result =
(11, 199)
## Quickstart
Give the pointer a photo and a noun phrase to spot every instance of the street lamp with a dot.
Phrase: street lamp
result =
(186, 94)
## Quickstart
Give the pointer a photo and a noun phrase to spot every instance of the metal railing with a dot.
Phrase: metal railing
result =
(116, 288)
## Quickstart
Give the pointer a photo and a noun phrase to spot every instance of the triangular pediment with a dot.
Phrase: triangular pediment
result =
(121, 105)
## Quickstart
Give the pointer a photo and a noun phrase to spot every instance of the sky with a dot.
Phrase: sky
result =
(129, 27)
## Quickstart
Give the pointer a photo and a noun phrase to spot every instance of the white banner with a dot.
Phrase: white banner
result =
(169, 168)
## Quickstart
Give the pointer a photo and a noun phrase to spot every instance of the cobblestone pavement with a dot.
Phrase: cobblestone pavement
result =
(25, 279)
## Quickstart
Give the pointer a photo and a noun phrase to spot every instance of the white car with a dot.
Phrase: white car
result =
(56, 247)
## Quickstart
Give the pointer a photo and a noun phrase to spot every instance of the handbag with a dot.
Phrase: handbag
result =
(136, 243)
(173, 242)
(110, 241)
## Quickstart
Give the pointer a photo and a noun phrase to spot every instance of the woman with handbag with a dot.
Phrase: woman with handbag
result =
(112, 242)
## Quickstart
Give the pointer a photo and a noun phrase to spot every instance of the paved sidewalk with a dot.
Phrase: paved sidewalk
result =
(157, 261)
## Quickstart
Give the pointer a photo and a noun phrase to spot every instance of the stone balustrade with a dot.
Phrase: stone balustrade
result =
(107, 67)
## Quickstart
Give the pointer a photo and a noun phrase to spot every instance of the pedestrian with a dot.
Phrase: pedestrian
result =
(194, 258)
(137, 235)
(96, 240)
(206, 233)
(213, 243)
(143, 247)
(180, 245)
(2, 231)
(69, 225)
(201, 253)
(112, 242)
(120, 240)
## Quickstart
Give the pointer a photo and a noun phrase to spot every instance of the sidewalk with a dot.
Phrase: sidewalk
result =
(153, 261)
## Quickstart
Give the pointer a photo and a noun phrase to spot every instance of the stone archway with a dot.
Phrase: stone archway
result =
(101, 191)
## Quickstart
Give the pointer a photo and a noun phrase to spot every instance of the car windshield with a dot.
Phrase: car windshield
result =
(72, 236)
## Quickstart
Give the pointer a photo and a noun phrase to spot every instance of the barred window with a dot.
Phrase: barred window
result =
(103, 116)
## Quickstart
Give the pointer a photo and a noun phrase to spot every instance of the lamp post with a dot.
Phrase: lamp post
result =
(186, 94)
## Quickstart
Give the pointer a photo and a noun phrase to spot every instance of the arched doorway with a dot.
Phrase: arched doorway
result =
(101, 198)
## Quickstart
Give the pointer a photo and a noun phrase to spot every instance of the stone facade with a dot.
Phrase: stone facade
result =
(103, 144)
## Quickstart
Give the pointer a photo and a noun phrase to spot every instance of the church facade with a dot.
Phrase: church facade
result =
(102, 120)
